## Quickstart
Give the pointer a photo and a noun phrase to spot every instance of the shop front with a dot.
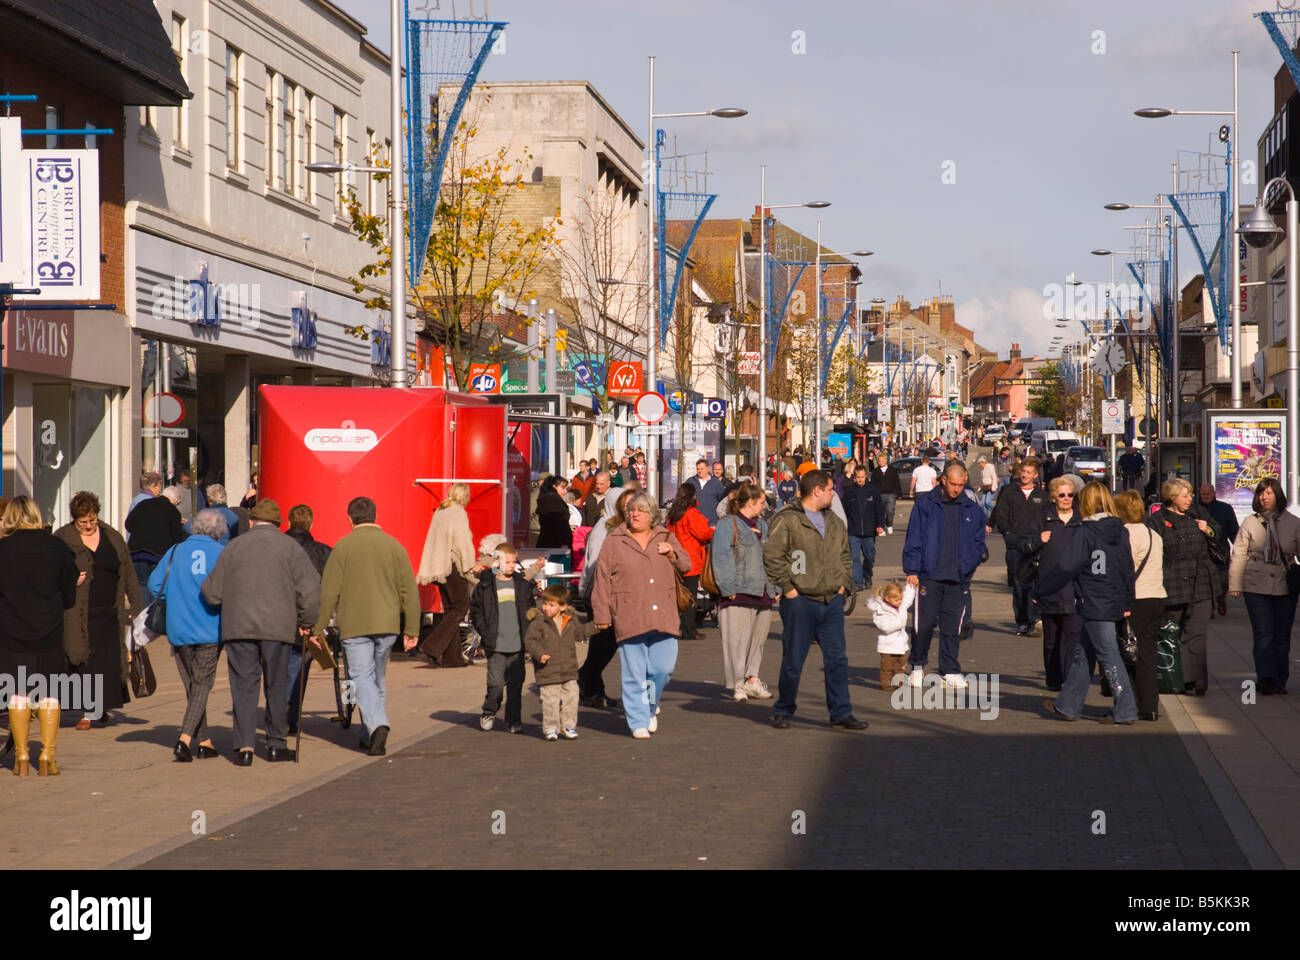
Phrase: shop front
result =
(209, 332)
(65, 380)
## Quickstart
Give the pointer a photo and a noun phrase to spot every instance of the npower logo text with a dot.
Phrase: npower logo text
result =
(344, 439)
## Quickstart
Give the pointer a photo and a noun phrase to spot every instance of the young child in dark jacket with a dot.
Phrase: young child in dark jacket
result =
(499, 609)
(551, 641)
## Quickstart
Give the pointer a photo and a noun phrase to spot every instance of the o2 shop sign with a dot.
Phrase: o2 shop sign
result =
(485, 378)
(343, 439)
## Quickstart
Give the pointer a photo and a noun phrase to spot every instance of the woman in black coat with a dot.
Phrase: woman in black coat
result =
(553, 515)
(1190, 587)
(1046, 537)
(38, 581)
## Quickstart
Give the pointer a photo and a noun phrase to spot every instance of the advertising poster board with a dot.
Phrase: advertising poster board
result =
(839, 444)
(13, 264)
(61, 221)
(518, 482)
(703, 439)
(1244, 447)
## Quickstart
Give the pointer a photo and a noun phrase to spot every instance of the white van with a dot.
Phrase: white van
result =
(1053, 442)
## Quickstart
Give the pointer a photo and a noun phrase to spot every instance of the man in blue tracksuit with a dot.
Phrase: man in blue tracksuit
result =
(945, 543)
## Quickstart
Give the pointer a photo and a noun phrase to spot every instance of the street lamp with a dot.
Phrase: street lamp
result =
(396, 231)
(1259, 230)
(652, 164)
(1234, 262)
(817, 373)
(762, 310)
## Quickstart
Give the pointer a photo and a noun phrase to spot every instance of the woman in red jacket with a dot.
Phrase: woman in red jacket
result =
(692, 530)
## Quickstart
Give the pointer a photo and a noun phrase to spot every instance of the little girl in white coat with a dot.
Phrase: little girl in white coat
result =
(889, 608)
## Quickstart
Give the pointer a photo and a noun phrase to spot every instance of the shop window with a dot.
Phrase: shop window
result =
(71, 439)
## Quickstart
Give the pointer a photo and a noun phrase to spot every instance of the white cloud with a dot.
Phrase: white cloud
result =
(1016, 316)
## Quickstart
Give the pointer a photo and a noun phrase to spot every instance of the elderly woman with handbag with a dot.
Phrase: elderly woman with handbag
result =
(636, 591)
(1189, 536)
(1262, 557)
(94, 633)
(746, 596)
(449, 560)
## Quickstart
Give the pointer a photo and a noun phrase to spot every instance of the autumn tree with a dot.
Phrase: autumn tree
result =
(482, 256)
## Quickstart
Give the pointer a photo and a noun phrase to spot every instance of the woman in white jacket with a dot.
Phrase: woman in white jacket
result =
(890, 610)
(449, 560)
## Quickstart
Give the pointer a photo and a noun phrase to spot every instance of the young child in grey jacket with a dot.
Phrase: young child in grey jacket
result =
(551, 642)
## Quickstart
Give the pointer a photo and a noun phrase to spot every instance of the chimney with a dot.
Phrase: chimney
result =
(1015, 351)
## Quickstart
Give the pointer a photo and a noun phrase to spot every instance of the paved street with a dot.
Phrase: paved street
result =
(717, 787)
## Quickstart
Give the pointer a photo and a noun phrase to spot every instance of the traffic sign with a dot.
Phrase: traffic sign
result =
(1112, 416)
(651, 407)
(1147, 427)
(163, 409)
(561, 339)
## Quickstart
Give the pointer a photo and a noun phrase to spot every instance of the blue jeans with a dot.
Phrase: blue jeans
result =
(888, 501)
(647, 664)
(987, 500)
(802, 621)
(1271, 619)
(943, 604)
(367, 667)
(1099, 635)
(295, 692)
(863, 552)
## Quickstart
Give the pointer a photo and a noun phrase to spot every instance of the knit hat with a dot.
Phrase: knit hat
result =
(265, 511)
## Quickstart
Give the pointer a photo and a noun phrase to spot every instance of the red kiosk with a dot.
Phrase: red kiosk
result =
(323, 446)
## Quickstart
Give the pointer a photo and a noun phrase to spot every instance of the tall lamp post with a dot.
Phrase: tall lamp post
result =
(1259, 230)
(1234, 262)
(762, 310)
(817, 374)
(652, 196)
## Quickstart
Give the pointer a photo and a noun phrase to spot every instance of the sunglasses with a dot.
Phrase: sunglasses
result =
(1065, 496)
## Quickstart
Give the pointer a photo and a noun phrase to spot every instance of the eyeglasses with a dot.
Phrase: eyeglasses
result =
(1065, 496)
(87, 523)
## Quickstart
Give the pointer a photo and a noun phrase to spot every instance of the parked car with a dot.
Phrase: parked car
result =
(994, 431)
(1026, 427)
(1050, 443)
(906, 465)
(1087, 462)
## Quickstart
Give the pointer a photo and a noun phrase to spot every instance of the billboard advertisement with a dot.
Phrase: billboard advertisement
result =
(702, 440)
(1245, 446)
(61, 220)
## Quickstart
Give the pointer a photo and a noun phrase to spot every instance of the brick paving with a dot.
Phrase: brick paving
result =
(717, 787)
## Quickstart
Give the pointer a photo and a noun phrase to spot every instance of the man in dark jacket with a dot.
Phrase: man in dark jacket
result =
(268, 592)
(155, 526)
(890, 486)
(498, 608)
(300, 521)
(594, 506)
(944, 546)
(1018, 507)
(862, 510)
(708, 491)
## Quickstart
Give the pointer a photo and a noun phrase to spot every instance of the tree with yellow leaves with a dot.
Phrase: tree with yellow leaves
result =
(483, 254)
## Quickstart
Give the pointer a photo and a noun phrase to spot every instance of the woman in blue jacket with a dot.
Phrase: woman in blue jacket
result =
(193, 627)
(1100, 563)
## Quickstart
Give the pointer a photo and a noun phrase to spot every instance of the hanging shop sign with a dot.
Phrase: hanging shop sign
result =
(61, 214)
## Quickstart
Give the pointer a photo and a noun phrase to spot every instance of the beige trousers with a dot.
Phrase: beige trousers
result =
(559, 705)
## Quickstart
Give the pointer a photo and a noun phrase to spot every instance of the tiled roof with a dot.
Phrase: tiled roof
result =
(126, 34)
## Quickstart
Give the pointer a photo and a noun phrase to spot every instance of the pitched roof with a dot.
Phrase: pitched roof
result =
(116, 47)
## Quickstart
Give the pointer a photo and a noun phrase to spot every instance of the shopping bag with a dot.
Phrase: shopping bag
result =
(1169, 657)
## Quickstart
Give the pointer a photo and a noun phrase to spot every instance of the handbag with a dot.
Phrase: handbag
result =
(1027, 570)
(143, 682)
(685, 598)
(1293, 576)
(707, 580)
(1128, 641)
(156, 614)
(1169, 657)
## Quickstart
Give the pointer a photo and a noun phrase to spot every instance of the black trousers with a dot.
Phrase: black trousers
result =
(689, 628)
(251, 661)
(1061, 632)
(443, 641)
(1145, 621)
(600, 651)
(505, 674)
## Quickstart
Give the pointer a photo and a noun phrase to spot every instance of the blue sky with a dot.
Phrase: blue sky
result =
(1008, 94)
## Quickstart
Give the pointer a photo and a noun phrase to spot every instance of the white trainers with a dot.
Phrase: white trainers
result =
(890, 531)
(916, 678)
(570, 733)
(641, 733)
(551, 735)
(955, 680)
(739, 695)
(487, 721)
(653, 726)
(757, 689)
